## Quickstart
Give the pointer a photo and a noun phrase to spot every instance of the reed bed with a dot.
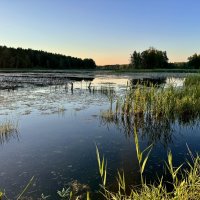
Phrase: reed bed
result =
(192, 80)
(163, 102)
(159, 104)
(153, 109)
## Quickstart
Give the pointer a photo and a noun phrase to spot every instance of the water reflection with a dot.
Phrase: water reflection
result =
(14, 81)
(151, 129)
(148, 81)
(61, 149)
(154, 129)
(8, 130)
(158, 81)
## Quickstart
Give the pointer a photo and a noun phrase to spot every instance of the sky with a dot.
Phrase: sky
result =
(106, 30)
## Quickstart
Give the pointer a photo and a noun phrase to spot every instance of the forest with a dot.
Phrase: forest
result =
(18, 58)
(153, 58)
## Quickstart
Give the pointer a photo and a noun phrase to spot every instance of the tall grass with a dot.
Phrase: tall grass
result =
(192, 80)
(153, 109)
(185, 183)
(20, 196)
(8, 129)
(164, 102)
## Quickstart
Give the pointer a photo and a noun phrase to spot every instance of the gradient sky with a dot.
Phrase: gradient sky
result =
(106, 30)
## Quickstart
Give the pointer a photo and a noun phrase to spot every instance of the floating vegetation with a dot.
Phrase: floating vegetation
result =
(13, 81)
(8, 129)
(76, 190)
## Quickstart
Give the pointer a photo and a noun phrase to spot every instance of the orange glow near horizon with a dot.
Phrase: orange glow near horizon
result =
(111, 60)
(101, 58)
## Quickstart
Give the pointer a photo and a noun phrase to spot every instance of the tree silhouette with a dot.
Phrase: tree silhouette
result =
(28, 58)
(149, 59)
(194, 61)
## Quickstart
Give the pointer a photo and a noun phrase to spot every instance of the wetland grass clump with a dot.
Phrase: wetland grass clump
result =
(161, 103)
(8, 129)
(154, 109)
(185, 183)
(192, 80)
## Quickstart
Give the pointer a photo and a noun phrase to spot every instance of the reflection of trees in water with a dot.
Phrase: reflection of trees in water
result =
(154, 111)
(14, 82)
(153, 129)
(148, 81)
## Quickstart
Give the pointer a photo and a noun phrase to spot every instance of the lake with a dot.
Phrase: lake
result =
(59, 117)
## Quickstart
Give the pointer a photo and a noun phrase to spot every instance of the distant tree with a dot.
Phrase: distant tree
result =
(194, 61)
(150, 58)
(136, 60)
(28, 58)
(89, 63)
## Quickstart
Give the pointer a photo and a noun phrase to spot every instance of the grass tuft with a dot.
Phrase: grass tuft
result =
(186, 183)
(7, 130)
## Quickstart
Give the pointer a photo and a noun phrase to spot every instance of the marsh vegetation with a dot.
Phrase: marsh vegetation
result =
(184, 184)
(154, 109)
(59, 126)
(8, 129)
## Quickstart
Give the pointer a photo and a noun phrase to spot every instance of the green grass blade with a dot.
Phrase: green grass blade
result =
(25, 189)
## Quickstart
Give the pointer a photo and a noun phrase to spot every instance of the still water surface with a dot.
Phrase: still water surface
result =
(59, 127)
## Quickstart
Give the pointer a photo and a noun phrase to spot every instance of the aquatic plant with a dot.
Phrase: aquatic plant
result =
(8, 129)
(192, 80)
(21, 194)
(148, 109)
(65, 193)
(153, 110)
(74, 191)
(185, 183)
(61, 110)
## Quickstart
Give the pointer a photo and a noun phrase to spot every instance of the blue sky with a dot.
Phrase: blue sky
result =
(106, 30)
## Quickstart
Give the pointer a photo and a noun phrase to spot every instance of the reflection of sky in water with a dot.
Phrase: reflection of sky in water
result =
(176, 82)
(110, 80)
(51, 99)
(59, 146)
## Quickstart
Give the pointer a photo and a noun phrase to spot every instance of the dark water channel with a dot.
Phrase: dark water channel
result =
(58, 127)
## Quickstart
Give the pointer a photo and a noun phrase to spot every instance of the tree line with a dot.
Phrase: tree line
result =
(27, 58)
(153, 58)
